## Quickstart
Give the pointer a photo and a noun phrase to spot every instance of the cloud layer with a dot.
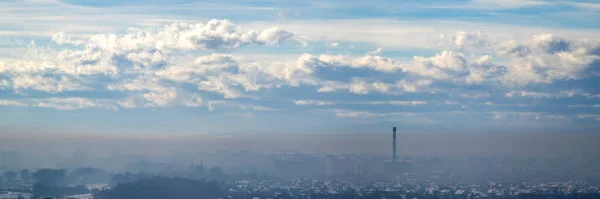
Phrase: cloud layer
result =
(203, 65)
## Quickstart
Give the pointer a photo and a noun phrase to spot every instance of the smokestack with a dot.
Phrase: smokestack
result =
(394, 150)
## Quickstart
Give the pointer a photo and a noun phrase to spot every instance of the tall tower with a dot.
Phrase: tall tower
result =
(394, 145)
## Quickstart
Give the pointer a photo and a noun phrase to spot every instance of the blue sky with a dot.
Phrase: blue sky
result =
(299, 66)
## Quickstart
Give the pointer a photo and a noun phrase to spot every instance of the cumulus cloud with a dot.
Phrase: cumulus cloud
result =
(370, 60)
(331, 86)
(363, 88)
(463, 39)
(143, 61)
(212, 35)
(47, 84)
(60, 38)
(177, 64)
(546, 58)
(513, 48)
(413, 86)
(456, 67)
(194, 101)
(541, 59)
(159, 99)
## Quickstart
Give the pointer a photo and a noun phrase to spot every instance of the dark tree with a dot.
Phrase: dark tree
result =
(25, 175)
(10, 176)
(50, 176)
(216, 171)
(122, 178)
(88, 175)
(160, 187)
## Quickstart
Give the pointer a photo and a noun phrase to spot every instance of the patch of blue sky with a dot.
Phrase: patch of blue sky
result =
(591, 85)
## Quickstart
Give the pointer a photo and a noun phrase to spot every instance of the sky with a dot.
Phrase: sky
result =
(191, 67)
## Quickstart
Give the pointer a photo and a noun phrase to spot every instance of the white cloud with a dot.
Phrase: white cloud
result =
(546, 58)
(356, 114)
(369, 60)
(585, 5)
(540, 59)
(160, 99)
(4, 102)
(141, 52)
(194, 101)
(413, 86)
(69, 103)
(456, 67)
(580, 105)
(589, 116)
(212, 35)
(47, 84)
(128, 102)
(329, 103)
(504, 4)
(140, 84)
(212, 104)
(313, 102)
(152, 67)
(331, 86)
(561, 94)
(60, 38)
(343, 113)
(73, 103)
(463, 39)
(411, 34)
(140, 55)
(361, 87)
(408, 103)
(499, 115)
(395, 103)
(448, 102)
(474, 95)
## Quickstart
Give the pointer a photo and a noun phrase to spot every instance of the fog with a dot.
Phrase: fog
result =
(61, 164)
(423, 144)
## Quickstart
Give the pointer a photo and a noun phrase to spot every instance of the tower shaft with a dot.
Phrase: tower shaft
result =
(394, 146)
